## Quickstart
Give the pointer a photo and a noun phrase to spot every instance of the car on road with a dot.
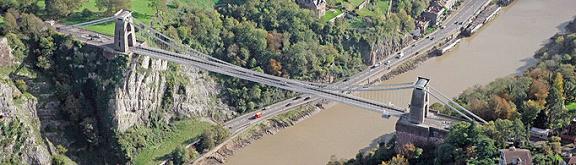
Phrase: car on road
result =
(375, 66)
(388, 62)
(296, 98)
(432, 38)
(400, 55)
(307, 98)
(413, 45)
(288, 104)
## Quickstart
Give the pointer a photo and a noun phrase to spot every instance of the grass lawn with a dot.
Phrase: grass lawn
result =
(201, 3)
(570, 107)
(1, 21)
(184, 131)
(347, 4)
(141, 12)
(381, 7)
(331, 14)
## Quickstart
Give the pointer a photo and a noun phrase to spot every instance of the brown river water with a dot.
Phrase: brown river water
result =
(503, 47)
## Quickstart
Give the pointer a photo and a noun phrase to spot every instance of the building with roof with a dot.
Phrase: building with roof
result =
(319, 6)
(514, 156)
(433, 14)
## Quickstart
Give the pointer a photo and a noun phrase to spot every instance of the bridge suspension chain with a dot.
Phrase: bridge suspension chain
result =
(277, 81)
(178, 46)
(458, 105)
(450, 106)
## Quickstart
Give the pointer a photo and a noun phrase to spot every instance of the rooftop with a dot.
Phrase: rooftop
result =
(516, 156)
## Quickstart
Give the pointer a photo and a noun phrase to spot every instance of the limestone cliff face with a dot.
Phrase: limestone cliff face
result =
(141, 93)
(5, 53)
(387, 47)
(19, 125)
(24, 142)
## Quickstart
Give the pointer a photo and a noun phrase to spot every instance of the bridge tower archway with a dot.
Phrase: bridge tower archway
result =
(124, 33)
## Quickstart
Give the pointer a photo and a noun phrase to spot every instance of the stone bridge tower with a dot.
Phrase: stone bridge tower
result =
(124, 32)
(419, 106)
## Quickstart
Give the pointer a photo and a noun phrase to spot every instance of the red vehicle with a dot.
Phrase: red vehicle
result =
(257, 115)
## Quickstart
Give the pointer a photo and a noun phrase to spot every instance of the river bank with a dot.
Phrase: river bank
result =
(267, 127)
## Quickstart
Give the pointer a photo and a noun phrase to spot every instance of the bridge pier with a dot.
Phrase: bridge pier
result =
(419, 106)
(420, 126)
(124, 36)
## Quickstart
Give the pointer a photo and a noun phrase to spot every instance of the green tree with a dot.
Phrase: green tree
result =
(59, 8)
(557, 114)
(159, 7)
(10, 24)
(503, 131)
(179, 156)
(21, 85)
(111, 6)
(530, 111)
(30, 24)
(466, 142)
(90, 131)
(206, 141)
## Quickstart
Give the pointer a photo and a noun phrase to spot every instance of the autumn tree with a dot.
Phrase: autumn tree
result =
(275, 67)
(502, 108)
(410, 151)
(397, 160)
(538, 91)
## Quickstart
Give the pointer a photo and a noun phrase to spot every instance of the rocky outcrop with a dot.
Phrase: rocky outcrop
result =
(5, 53)
(199, 98)
(141, 94)
(20, 129)
(386, 47)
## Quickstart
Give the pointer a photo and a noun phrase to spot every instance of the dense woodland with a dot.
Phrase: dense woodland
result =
(282, 39)
(543, 97)
(275, 37)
